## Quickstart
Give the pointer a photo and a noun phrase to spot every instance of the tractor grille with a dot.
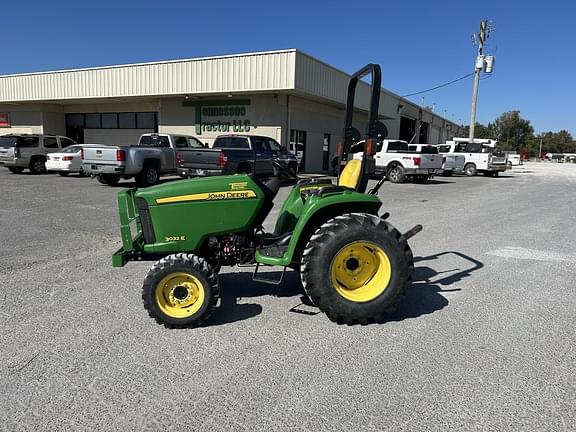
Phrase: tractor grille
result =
(145, 221)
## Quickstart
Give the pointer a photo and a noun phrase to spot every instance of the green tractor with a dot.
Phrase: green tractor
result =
(354, 266)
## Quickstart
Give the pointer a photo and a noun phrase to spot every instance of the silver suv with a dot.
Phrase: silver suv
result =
(18, 152)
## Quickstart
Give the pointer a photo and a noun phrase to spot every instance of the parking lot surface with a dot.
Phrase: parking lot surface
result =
(484, 340)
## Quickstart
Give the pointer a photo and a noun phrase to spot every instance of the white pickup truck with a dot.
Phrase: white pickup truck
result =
(395, 161)
(155, 154)
(450, 162)
(479, 155)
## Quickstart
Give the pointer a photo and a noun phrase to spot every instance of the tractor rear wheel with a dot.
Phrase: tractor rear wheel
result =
(180, 290)
(356, 267)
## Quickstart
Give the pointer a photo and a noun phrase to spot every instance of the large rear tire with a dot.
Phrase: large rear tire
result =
(355, 268)
(180, 290)
(108, 179)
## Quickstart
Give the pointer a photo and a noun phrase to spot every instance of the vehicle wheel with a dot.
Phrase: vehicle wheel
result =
(355, 268)
(470, 170)
(16, 170)
(148, 177)
(396, 174)
(180, 290)
(421, 178)
(108, 179)
(63, 173)
(37, 166)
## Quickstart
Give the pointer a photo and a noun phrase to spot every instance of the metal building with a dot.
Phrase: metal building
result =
(287, 94)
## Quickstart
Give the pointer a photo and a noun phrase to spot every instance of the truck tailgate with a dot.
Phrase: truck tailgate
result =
(199, 158)
(430, 161)
(100, 155)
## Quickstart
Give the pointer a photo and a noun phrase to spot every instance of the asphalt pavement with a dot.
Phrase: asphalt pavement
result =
(484, 340)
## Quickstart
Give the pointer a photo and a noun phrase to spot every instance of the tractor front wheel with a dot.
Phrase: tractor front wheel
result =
(180, 290)
(355, 268)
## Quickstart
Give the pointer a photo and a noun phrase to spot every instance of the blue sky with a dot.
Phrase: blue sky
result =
(418, 44)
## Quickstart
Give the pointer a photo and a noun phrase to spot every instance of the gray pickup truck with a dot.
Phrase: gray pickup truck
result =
(154, 155)
(20, 152)
(232, 154)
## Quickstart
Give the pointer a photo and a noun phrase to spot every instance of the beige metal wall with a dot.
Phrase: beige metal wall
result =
(239, 73)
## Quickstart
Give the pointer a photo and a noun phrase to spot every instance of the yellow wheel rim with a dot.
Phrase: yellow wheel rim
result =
(361, 271)
(180, 295)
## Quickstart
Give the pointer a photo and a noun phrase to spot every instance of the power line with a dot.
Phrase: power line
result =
(439, 86)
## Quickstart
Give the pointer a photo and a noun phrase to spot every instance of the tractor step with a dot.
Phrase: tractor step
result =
(255, 277)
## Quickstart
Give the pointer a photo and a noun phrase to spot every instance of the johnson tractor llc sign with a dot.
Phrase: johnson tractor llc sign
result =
(221, 116)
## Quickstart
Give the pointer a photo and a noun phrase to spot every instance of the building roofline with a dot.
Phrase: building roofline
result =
(250, 54)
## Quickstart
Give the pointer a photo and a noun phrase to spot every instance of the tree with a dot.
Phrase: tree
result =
(482, 131)
(513, 132)
(558, 142)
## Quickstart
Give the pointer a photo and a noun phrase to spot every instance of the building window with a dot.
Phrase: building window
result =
(127, 120)
(93, 121)
(75, 120)
(124, 120)
(298, 147)
(146, 120)
(109, 121)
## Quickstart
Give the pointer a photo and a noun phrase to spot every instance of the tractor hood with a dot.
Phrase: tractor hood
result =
(202, 189)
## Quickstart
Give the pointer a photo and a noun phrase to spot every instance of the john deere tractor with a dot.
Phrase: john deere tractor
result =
(354, 265)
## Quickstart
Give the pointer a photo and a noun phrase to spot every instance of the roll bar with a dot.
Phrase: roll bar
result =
(375, 130)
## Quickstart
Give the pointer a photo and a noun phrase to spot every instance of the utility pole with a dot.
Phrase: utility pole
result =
(540, 151)
(481, 63)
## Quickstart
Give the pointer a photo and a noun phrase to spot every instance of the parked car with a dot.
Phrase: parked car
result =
(231, 154)
(29, 151)
(154, 155)
(450, 162)
(395, 161)
(68, 160)
(480, 156)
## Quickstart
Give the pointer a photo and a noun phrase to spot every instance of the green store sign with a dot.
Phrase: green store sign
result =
(221, 116)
